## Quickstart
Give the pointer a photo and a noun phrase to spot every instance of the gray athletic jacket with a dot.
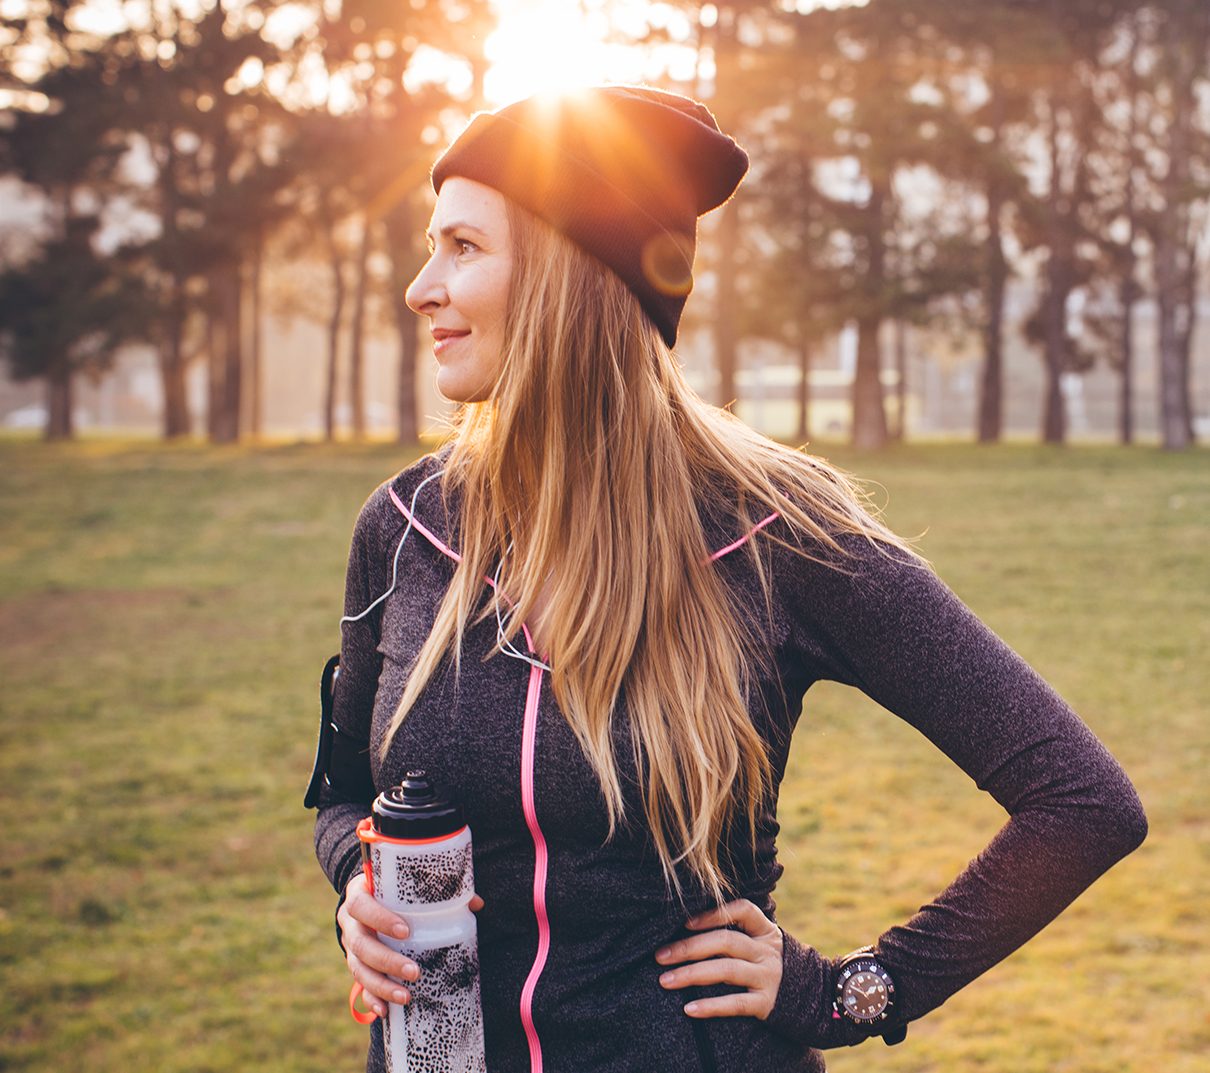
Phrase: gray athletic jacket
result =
(570, 925)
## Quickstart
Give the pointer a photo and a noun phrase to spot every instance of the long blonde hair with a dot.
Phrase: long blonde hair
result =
(585, 469)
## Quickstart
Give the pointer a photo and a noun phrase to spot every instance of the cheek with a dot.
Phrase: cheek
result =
(494, 302)
(468, 376)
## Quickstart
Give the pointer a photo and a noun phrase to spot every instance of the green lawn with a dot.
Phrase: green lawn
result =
(165, 613)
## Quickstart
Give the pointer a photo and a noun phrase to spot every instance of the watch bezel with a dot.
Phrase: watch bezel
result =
(863, 961)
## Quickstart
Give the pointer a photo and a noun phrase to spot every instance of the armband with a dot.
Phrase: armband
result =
(341, 759)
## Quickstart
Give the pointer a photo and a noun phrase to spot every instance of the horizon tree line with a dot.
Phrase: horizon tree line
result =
(1070, 142)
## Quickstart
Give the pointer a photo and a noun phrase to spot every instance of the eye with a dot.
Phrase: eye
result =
(465, 245)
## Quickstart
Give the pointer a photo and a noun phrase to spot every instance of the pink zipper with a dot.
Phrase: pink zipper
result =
(529, 735)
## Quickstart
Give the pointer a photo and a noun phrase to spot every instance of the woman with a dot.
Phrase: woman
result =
(615, 709)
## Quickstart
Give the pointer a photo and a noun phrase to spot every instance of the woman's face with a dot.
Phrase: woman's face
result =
(463, 287)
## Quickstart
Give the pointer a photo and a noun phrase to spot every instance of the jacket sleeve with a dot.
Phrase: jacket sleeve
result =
(891, 628)
(344, 802)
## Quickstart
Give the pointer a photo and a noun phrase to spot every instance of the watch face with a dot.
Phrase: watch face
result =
(865, 991)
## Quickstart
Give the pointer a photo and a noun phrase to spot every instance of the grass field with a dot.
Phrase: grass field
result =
(165, 613)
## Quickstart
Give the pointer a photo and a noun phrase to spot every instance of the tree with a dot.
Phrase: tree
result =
(396, 126)
(67, 311)
(187, 106)
(981, 58)
(1122, 188)
(1184, 44)
(798, 285)
(853, 93)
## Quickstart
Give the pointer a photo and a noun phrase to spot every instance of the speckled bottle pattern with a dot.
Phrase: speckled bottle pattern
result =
(417, 851)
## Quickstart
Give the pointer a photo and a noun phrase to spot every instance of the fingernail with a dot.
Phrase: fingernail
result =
(400, 996)
(380, 1009)
(667, 978)
(691, 1007)
(663, 955)
(400, 930)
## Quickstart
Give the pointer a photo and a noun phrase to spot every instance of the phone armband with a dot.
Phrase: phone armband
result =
(342, 760)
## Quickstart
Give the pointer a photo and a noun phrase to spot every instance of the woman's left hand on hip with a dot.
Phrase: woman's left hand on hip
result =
(751, 959)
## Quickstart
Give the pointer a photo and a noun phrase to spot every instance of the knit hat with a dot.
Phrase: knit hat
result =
(623, 171)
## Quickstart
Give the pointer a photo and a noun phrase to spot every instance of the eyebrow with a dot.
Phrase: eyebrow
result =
(457, 225)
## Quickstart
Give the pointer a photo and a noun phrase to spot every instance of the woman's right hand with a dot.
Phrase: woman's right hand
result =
(371, 961)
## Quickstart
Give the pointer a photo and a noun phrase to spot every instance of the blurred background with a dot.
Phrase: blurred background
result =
(966, 222)
(963, 220)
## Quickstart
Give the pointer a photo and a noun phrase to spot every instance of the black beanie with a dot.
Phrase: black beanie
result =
(623, 171)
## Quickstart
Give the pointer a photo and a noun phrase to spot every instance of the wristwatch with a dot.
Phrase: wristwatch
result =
(865, 994)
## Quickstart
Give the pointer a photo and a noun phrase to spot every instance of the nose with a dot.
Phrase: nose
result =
(426, 292)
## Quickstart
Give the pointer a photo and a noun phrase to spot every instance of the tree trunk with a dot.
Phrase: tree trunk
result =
(1054, 413)
(255, 368)
(869, 412)
(869, 409)
(225, 357)
(726, 63)
(991, 380)
(1174, 425)
(176, 423)
(1174, 421)
(60, 424)
(1184, 349)
(357, 334)
(400, 232)
(804, 389)
(336, 265)
(1128, 288)
(172, 369)
(175, 417)
(223, 396)
(233, 355)
(1126, 382)
(901, 333)
(1180, 59)
(215, 367)
(725, 334)
(1058, 286)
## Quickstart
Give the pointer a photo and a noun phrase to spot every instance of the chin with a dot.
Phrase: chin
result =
(455, 388)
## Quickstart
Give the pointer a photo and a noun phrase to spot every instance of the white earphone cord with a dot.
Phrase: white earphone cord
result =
(506, 646)
(395, 563)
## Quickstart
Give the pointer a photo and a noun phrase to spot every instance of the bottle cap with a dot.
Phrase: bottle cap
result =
(415, 809)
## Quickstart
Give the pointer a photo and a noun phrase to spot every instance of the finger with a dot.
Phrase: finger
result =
(382, 988)
(476, 904)
(741, 912)
(362, 906)
(745, 1004)
(716, 971)
(721, 942)
(365, 947)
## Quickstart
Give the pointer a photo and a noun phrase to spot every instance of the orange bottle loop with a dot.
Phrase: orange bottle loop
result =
(367, 836)
(362, 1017)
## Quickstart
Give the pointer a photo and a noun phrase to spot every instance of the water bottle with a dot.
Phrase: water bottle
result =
(416, 851)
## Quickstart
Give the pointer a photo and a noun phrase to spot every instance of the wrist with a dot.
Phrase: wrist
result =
(805, 1009)
(802, 1010)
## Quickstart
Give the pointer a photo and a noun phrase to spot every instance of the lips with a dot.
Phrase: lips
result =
(446, 337)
